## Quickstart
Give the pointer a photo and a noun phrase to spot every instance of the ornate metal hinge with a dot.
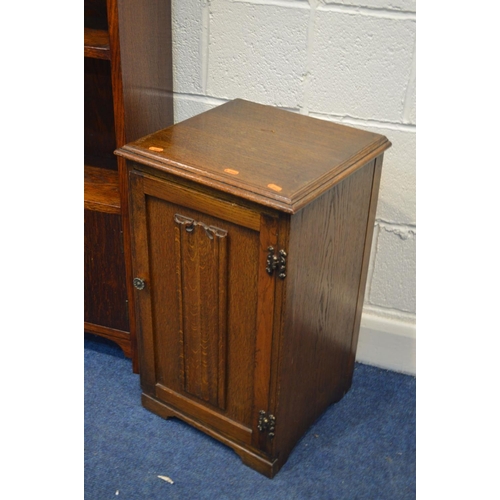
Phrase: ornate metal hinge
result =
(267, 423)
(276, 262)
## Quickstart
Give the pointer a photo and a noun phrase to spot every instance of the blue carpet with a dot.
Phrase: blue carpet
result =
(361, 448)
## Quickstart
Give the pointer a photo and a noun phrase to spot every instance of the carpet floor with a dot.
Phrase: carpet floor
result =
(361, 448)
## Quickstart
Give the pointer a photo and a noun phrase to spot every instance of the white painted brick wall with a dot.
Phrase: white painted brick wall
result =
(348, 61)
(410, 112)
(395, 256)
(360, 65)
(396, 5)
(187, 40)
(257, 52)
(397, 200)
(186, 106)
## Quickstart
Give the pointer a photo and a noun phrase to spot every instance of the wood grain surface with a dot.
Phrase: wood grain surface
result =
(282, 159)
(101, 190)
(96, 44)
(201, 306)
(246, 353)
(128, 93)
(105, 287)
(324, 276)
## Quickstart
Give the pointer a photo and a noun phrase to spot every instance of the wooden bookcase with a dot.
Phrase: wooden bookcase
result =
(128, 93)
(251, 236)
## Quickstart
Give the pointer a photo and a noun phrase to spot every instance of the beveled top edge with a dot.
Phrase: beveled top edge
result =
(281, 203)
(198, 176)
(258, 152)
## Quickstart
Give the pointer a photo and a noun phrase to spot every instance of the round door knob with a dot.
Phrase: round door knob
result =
(138, 283)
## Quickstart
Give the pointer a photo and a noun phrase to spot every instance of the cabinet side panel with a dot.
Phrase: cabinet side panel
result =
(324, 269)
(146, 61)
(349, 366)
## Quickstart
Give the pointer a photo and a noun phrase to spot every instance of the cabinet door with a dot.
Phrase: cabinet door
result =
(105, 309)
(205, 304)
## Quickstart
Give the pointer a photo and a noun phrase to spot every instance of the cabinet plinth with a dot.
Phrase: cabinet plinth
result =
(251, 229)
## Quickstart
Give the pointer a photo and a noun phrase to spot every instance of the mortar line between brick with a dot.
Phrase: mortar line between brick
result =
(338, 7)
(369, 11)
(205, 41)
(304, 107)
(404, 127)
(366, 122)
(411, 79)
(371, 263)
(291, 4)
(396, 225)
(200, 98)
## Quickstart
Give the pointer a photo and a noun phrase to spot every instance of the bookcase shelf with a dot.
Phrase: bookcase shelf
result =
(96, 44)
(102, 192)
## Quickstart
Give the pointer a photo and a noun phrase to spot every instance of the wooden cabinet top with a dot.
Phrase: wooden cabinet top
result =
(260, 153)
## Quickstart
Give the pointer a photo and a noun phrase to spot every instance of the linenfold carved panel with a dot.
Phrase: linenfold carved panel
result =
(202, 273)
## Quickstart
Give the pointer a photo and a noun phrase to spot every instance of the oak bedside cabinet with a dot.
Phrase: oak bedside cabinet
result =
(251, 233)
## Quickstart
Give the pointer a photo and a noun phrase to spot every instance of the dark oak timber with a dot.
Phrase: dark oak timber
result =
(313, 154)
(104, 260)
(96, 44)
(326, 247)
(101, 192)
(251, 230)
(128, 53)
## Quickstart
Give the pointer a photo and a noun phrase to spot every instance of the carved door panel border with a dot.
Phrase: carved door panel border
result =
(201, 258)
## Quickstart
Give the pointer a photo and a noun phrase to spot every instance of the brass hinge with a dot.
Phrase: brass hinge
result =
(267, 422)
(276, 262)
